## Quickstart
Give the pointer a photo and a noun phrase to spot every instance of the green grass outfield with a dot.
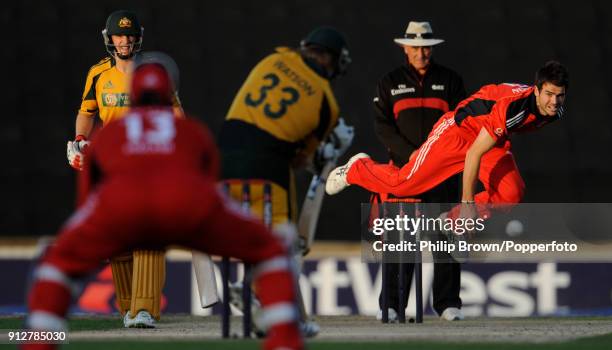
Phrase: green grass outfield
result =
(596, 343)
(106, 323)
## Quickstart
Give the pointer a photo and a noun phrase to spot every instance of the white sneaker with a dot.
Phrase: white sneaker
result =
(452, 314)
(392, 315)
(235, 290)
(336, 180)
(126, 318)
(309, 329)
(143, 319)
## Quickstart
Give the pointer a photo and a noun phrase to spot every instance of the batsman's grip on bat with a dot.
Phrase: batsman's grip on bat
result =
(336, 144)
(75, 150)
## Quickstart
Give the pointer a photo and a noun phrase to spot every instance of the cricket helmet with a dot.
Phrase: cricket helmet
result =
(332, 41)
(122, 22)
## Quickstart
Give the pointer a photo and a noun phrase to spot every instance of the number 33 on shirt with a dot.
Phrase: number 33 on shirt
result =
(284, 97)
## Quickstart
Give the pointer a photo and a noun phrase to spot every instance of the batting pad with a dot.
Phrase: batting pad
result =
(122, 267)
(148, 281)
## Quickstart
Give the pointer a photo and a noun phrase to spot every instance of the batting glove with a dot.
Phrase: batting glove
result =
(74, 152)
(337, 143)
(342, 136)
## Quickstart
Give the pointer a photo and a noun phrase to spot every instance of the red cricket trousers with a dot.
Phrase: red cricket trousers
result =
(440, 157)
(154, 212)
(189, 212)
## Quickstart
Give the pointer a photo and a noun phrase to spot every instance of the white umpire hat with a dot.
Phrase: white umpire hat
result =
(418, 34)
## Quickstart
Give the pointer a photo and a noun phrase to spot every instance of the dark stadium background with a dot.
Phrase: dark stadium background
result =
(48, 46)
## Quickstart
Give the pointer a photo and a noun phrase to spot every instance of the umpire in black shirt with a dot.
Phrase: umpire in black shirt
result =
(409, 100)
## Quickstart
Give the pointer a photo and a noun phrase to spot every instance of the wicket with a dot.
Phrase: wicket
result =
(245, 202)
(402, 282)
(246, 280)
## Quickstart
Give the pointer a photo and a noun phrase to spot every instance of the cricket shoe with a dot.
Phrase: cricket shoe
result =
(309, 329)
(336, 180)
(143, 319)
(236, 301)
(452, 314)
(392, 315)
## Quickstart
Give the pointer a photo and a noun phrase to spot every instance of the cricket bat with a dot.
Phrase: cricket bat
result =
(311, 208)
(206, 280)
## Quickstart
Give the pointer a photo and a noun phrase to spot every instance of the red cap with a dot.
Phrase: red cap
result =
(151, 86)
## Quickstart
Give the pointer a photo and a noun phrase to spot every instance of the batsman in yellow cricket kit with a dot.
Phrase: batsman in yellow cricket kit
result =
(138, 276)
(281, 119)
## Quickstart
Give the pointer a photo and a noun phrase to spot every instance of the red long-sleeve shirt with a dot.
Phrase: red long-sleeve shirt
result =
(501, 109)
(149, 143)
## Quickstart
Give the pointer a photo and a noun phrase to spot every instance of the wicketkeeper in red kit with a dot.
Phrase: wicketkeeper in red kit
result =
(150, 181)
(475, 139)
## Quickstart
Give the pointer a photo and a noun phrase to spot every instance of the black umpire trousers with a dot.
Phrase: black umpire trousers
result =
(446, 283)
(447, 272)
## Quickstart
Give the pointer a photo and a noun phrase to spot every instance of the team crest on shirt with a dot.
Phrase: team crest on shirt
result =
(108, 85)
(437, 87)
(125, 23)
(499, 131)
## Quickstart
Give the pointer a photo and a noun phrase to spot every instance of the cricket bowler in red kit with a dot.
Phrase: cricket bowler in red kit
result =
(149, 182)
(474, 138)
